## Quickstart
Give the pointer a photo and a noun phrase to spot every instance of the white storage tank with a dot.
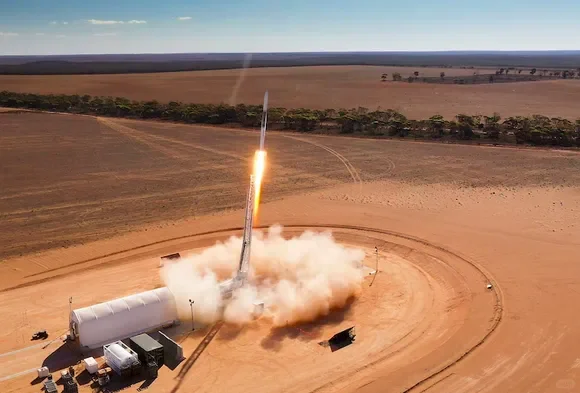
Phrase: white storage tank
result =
(120, 357)
(118, 319)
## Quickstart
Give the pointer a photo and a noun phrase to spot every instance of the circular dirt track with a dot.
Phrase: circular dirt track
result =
(425, 310)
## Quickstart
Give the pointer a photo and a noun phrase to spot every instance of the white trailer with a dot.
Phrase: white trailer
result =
(103, 323)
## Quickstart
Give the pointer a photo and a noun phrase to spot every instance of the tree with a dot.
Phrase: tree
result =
(410, 79)
(396, 77)
(416, 73)
(465, 124)
(436, 125)
(491, 126)
(520, 71)
(561, 132)
(384, 77)
(533, 71)
(565, 74)
(442, 75)
(507, 71)
(398, 125)
(520, 127)
(349, 122)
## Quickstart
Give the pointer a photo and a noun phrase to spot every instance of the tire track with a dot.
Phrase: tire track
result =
(196, 146)
(350, 168)
(141, 138)
(126, 199)
(153, 140)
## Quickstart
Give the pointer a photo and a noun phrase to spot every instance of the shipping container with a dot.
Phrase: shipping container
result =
(147, 349)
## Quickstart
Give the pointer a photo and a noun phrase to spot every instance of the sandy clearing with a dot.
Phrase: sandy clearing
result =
(417, 285)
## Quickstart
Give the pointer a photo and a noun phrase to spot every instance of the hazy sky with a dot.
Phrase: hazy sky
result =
(152, 26)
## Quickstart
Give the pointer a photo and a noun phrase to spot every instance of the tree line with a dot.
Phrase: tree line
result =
(564, 74)
(534, 130)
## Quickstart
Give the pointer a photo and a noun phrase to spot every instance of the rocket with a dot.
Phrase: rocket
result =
(239, 280)
(264, 121)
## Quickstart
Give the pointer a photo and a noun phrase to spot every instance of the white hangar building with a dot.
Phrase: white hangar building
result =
(118, 319)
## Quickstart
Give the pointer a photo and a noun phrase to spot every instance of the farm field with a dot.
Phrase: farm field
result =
(86, 198)
(68, 179)
(323, 87)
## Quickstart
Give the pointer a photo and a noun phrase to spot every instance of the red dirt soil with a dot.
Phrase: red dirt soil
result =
(448, 220)
(321, 88)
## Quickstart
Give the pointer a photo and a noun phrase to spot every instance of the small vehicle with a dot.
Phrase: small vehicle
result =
(40, 335)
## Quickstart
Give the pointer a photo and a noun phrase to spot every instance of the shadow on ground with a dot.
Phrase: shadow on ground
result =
(68, 354)
(196, 354)
(311, 331)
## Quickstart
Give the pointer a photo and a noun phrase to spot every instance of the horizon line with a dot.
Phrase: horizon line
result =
(448, 51)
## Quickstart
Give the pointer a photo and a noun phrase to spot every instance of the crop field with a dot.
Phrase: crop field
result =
(88, 205)
(323, 87)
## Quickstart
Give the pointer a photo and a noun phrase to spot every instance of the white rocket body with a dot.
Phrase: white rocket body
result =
(264, 121)
(239, 280)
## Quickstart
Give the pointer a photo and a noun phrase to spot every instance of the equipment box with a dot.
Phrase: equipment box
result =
(147, 349)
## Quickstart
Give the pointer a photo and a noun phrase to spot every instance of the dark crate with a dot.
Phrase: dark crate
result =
(147, 349)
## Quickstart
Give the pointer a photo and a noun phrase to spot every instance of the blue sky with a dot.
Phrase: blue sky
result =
(105, 26)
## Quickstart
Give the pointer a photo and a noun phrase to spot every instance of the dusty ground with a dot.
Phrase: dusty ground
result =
(71, 179)
(322, 87)
(447, 220)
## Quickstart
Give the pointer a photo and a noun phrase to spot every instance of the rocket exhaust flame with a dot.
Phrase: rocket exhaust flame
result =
(260, 157)
(259, 167)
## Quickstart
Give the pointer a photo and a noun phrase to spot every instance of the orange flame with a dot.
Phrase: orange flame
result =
(259, 167)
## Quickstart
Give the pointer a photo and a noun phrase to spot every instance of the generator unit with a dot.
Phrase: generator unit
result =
(70, 386)
(147, 349)
(50, 386)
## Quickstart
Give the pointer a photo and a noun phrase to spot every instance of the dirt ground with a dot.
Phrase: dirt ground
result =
(321, 88)
(447, 220)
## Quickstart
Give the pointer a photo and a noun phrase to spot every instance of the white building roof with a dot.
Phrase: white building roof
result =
(120, 318)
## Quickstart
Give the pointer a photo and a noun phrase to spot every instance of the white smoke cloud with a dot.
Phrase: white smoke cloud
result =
(297, 279)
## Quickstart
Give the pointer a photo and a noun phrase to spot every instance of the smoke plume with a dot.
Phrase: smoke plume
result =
(297, 279)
